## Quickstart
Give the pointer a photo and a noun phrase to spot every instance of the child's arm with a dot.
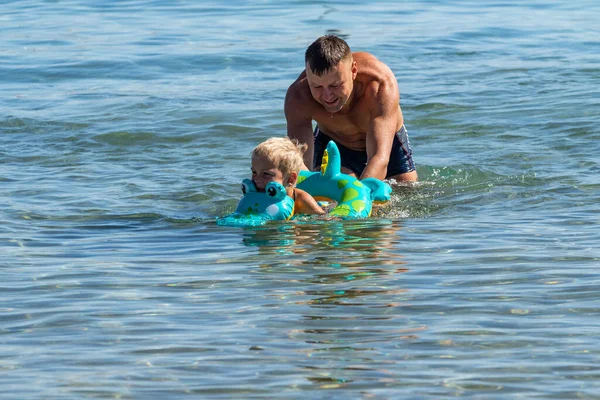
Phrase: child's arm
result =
(306, 204)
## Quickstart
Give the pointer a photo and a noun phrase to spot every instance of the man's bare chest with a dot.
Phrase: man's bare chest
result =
(348, 124)
(344, 129)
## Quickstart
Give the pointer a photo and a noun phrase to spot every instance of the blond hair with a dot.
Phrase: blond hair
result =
(283, 152)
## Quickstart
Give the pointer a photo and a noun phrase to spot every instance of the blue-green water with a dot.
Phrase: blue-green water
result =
(125, 129)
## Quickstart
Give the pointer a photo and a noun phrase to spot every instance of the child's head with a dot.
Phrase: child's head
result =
(278, 159)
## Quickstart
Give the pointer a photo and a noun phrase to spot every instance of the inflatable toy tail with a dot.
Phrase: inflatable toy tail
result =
(381, 192)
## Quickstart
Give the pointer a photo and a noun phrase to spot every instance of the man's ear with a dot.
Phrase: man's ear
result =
(292, 178)
(354, 70)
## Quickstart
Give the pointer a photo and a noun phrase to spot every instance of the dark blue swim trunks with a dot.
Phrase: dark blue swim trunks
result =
(401, 160)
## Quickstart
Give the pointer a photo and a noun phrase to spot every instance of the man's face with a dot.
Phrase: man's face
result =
(333, 89)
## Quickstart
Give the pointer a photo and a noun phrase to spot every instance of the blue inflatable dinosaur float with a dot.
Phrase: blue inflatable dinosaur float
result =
(354, 197)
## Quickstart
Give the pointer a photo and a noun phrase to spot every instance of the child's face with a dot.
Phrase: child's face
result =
(263, 172)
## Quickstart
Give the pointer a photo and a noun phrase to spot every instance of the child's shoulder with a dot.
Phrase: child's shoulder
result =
(302, 194)
(304, 203)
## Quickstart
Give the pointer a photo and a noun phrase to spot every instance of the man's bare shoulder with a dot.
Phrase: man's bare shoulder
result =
(299, 88)
(363, 56)
(298, 96)
(376, 78)
(371, 68)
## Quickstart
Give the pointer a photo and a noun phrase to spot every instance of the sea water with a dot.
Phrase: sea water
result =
(125, 131)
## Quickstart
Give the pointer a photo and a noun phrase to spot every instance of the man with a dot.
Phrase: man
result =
(354, 99)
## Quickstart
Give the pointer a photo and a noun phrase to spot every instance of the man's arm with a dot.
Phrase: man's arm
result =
(382, 128)
(299, 122)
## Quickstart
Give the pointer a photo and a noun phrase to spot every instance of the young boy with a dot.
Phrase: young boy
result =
(279, 159)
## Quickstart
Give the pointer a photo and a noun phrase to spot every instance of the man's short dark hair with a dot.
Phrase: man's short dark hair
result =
(326, 52)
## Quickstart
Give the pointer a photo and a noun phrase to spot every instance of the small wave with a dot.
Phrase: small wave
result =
(447, 107)
(32, 125)
(124, 138)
